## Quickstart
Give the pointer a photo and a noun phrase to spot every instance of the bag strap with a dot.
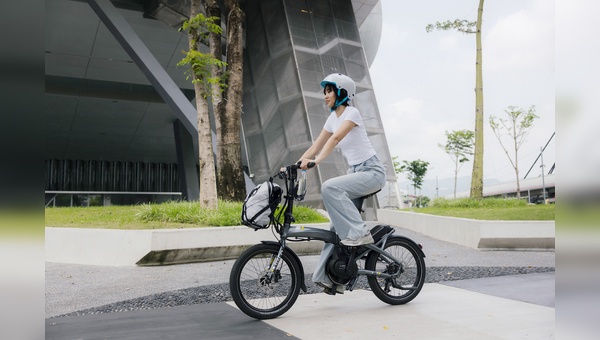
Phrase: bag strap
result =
(260, 212)
(270, 188)
(268, 206)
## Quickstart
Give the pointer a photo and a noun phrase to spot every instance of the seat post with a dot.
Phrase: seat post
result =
(371, 209)
(370, 212)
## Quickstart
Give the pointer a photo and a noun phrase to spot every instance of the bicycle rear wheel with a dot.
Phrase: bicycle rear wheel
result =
(405, 287)
(260, 293)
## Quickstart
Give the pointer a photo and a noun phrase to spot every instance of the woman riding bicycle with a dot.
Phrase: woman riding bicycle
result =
(344, 129)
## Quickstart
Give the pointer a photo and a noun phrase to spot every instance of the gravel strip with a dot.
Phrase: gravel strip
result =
(216, 293)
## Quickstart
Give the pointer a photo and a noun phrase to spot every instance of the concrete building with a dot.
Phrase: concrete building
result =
(120, 122)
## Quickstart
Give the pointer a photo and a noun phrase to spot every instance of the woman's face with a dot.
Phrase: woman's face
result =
(330, 96)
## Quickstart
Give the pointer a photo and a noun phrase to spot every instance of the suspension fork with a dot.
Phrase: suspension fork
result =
(282, 244)
(275, 260)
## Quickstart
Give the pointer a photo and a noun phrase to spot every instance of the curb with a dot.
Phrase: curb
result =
(107, 247)
(476, 234)
(176, 246)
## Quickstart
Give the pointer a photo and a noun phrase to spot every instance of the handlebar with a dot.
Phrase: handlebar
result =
(309, 165)
(283, 170)
(293, 188)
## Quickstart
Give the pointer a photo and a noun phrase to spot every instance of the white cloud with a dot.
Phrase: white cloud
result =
(449, 42)
(408, 107)
(392, 36)
(424, 82)
(522, 39)
(413, 130)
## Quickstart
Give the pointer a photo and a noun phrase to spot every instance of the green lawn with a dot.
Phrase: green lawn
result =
(529, 213)
(490, 209)
(158, 216)
(111, 217)
(190, 215)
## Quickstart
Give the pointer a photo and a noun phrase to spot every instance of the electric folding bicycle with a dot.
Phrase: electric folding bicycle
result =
(266, 279)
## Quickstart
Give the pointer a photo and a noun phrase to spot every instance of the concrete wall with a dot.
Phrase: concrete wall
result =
(156, 247)
(96, 246)
(475, 234)
(171, 246)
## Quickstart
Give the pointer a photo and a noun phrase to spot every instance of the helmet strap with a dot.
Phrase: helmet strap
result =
(338, 102)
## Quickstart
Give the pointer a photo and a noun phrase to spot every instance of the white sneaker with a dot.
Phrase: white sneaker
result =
(367, 239)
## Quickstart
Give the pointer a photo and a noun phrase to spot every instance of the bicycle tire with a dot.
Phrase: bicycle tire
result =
(411, 279)
(254, 292)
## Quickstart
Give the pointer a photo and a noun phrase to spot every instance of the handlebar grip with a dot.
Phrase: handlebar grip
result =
(309, 165)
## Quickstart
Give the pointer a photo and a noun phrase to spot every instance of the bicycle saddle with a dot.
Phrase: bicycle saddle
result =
(358, 202)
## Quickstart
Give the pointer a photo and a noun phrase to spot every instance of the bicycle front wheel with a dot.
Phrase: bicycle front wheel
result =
(405, 286)
(261, 292)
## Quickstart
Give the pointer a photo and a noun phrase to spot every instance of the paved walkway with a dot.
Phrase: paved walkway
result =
(491, 308)
(503, 307)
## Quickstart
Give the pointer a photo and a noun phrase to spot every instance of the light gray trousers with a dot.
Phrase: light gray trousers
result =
(362, 179)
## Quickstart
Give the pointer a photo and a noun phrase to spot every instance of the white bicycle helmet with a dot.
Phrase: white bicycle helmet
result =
(340, 82)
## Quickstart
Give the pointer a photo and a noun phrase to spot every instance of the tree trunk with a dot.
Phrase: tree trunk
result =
(214, 43)
(231, 182)
(477, 174)
(455, 175)
(516, 161)
(208, 188)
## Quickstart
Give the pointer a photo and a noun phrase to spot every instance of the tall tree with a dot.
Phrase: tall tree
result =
(516, 127)
(472, 27)
(459, 145)
(199, 28)
(415, 172)
(224, 87)
(227, 100)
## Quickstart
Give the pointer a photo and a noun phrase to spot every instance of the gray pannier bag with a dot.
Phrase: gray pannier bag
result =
(260, 205)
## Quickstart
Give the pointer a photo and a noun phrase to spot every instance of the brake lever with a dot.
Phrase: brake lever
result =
(281, 173)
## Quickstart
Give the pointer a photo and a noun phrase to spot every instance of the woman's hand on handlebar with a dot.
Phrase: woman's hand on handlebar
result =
(306, 163)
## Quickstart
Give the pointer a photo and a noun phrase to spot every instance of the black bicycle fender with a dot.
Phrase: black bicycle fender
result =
(295, 256)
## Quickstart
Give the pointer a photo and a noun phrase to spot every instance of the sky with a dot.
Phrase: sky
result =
(532, 55)
(424, 82)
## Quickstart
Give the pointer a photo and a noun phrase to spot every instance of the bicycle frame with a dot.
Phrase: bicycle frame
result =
(303, 233)
(267, 278)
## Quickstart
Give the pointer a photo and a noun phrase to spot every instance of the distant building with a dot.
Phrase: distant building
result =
(119, 115)
(531, 189)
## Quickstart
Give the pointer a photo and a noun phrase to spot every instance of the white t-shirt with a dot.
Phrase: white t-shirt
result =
(356, 146)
